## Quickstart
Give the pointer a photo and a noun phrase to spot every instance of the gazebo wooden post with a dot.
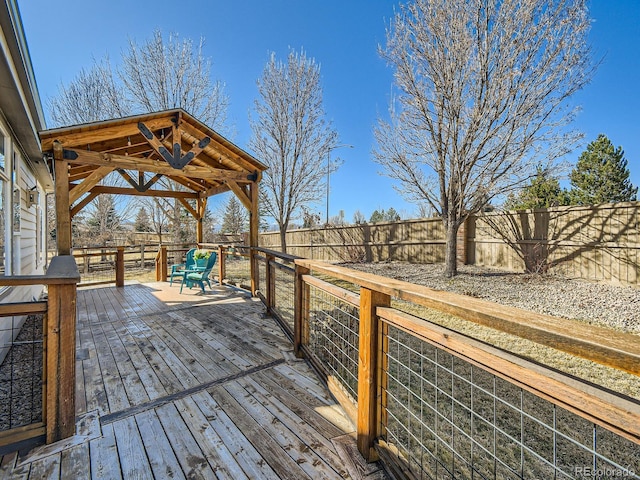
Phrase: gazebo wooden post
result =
(63, 214)
(254, 223)
(201, 207)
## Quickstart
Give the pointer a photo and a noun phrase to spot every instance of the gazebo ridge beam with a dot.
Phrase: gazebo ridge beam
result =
(83, 157)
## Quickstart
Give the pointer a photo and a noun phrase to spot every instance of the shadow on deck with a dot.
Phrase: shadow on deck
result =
(192, 385)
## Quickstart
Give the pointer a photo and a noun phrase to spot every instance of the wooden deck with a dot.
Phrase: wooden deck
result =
(192, 386)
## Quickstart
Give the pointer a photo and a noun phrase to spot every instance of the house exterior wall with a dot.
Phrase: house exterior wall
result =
(24, 178)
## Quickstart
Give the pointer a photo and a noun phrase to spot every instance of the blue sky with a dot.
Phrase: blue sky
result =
(343, 37)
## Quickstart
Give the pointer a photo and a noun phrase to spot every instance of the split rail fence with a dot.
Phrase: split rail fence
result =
(433, 403)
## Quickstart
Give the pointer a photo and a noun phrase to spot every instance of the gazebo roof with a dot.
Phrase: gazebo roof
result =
(170, 144)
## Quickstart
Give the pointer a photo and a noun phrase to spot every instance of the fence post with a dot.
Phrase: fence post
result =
(120, 267)
(367, 374)
(461, 243)
(86, 262)
(221, 263)
(142, 255)
(270, 282)
(300, 310)
(61, 362)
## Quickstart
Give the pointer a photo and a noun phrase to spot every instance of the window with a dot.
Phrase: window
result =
(1, 151)
(4, 185)
(3, 227)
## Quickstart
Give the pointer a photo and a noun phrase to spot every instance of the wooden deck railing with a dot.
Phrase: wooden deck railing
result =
(59, 337)
(431, 401)
(105, 265)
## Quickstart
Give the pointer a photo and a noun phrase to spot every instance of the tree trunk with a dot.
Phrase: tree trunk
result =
(283, 239)
(451, 249)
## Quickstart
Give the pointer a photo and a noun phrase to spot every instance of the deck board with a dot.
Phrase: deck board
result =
(190, 386)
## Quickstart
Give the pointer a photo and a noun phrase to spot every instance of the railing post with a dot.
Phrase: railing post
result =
(253, 265)
(270, 282)
(120, 267)
(161, 264)
(221, 263)
(367, 370)
(300, 310)
(61, 362)
(142, 255)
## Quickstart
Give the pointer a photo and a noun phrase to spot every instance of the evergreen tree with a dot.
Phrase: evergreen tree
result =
(381, 215)
(392, 215)
(543, 191)
(234, 219)
(601, 175)
(142, 223)
(377, 216)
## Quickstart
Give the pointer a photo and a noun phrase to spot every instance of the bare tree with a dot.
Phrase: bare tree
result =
(91, 96)
(483, 89)
(292, 137)
(159, 220)
(358, 217)
(155, 75)
(163, 74)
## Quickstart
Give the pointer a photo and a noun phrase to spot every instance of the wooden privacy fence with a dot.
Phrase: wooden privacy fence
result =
(57, 419)
(599, 242)
(433, 403)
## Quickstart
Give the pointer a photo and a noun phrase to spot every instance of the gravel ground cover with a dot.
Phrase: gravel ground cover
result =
(599, 304)
(21, 377)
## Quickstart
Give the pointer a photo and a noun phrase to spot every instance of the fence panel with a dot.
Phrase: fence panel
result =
(600, 243)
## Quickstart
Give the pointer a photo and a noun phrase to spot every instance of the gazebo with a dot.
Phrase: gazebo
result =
(143, 149)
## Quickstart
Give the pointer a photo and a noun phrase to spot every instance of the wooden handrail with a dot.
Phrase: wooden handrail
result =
(62, 270)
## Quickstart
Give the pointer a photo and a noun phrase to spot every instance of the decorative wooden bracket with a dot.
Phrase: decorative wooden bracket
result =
(241, 192)
(175, 158)
(140, 185)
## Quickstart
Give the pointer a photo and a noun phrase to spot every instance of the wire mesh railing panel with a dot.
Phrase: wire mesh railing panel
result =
(284, 298)
(333, 337)
(238, 270)
(96, 268)
(262, 274)
(20, 371)
(452, 419)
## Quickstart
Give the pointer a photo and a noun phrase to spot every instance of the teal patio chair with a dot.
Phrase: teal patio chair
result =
(177, 270)
(199, 277)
